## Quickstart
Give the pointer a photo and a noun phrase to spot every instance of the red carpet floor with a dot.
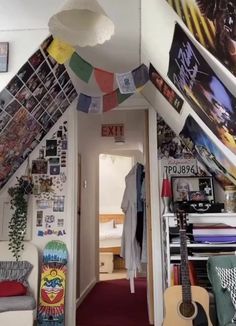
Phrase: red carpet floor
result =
(110, 303)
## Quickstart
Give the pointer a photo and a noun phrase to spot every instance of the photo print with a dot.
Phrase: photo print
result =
(5, 98)
(33, 82)
(203, 90)
(36, 59)
(13, 107)
(14, 85)
(54, 160)
(4, 119)
(72, 96)
(58, 203)
(46, 44)
(207, 152)
(60, 222)
(43, 204)
(39, 166)
(39, 218)
(194, 189)
(212, 23)
(51, 147)
(43, 71)
(25, 72)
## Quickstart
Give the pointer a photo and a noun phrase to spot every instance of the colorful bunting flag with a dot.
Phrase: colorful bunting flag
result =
(81, 68)
(84, 102)
(140, 76)
(125, 82)
(60, 51)
(95, 105)
(110, 101)
(104, 79)
(122, 97)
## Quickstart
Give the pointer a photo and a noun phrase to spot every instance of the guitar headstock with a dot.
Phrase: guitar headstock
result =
(181, 219)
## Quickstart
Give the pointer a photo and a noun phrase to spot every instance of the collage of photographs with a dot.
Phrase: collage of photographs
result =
(31, 103)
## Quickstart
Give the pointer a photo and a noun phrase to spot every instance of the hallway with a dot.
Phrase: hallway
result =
(110, 303)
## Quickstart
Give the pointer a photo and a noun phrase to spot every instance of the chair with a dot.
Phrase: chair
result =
(22, 317)
(224, 307)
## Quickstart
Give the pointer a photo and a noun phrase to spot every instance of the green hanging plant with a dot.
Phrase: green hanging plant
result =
(18, 222)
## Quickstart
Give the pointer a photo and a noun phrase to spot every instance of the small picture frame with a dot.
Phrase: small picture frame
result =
(192, 189)
(4, 50)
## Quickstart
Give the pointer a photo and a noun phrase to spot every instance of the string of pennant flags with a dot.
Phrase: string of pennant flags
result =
(128, 82)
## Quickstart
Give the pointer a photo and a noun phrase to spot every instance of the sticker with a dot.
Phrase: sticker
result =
(54, 160)
(54, 169)
(39, 218)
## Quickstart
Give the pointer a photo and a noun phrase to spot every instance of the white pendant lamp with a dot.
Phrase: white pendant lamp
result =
(81, 23)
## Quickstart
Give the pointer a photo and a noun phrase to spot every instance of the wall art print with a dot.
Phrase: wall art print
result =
(175, 158)
(213, 23)
(158, 81)
(30, 105)
(207, 152)
(202, 88)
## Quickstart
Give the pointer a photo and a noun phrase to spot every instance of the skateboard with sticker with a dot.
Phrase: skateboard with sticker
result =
(51, 309)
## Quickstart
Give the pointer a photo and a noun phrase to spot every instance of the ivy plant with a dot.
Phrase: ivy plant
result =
(18, 222)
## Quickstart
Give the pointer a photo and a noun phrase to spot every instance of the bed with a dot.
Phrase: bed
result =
(110, 232)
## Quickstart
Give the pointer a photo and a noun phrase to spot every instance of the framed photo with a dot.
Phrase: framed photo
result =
(192, 189)
(4, 49)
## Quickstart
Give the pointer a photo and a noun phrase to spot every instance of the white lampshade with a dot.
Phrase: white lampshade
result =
(81, 23)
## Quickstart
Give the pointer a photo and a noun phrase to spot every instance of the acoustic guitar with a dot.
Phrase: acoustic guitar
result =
(186, 305)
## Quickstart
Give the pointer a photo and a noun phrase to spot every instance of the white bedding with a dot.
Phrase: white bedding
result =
(111, 237)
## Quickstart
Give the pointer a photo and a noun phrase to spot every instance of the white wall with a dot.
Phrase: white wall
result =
(69, 214)
(112, 172)
(91, 144)
(24, 25)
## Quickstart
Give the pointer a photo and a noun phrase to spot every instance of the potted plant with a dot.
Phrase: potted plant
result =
(19, 204)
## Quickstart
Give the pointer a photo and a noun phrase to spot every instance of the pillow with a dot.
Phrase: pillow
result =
(227, 279)
(12, 288)
(15, 271)
(107, 226)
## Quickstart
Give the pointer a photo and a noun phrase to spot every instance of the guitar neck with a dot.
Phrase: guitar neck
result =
(186, 288)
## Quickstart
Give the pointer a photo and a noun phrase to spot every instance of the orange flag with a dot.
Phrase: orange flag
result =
(104, 79)
(110, 101)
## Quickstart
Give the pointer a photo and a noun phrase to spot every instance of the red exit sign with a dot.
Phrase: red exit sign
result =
(112, 130)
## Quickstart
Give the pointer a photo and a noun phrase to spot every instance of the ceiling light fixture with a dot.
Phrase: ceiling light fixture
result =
(81, 23)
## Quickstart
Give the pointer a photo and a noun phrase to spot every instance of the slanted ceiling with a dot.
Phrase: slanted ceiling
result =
(30, 105)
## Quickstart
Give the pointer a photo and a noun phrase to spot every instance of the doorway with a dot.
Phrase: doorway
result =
(112, 172)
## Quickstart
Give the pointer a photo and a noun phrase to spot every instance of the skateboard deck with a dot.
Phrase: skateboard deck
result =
(51, 310)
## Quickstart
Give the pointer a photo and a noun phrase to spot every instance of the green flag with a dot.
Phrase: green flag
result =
(80, 67)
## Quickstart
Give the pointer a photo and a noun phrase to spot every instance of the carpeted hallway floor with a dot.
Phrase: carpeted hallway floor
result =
(110, 303)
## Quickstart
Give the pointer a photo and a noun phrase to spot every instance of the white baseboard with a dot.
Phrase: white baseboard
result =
(85, 292)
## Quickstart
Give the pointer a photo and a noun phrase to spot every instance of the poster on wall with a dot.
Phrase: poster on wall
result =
(207, 152)
(174, 99)
(201, 87)
(213, 25)
(175, 158)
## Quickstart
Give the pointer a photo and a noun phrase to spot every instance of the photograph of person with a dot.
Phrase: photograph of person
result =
(181, 189)
(25, 72)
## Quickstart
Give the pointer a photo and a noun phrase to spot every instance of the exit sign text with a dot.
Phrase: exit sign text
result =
(112, 130)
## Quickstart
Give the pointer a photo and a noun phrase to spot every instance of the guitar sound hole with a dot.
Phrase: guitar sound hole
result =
(187, 310)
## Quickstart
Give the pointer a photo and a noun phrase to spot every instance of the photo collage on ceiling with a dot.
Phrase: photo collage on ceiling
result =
(31, 103)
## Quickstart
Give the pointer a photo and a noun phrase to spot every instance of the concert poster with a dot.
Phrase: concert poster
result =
(207, 152)
(158, 81)
(202, 88)
(212, 23)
